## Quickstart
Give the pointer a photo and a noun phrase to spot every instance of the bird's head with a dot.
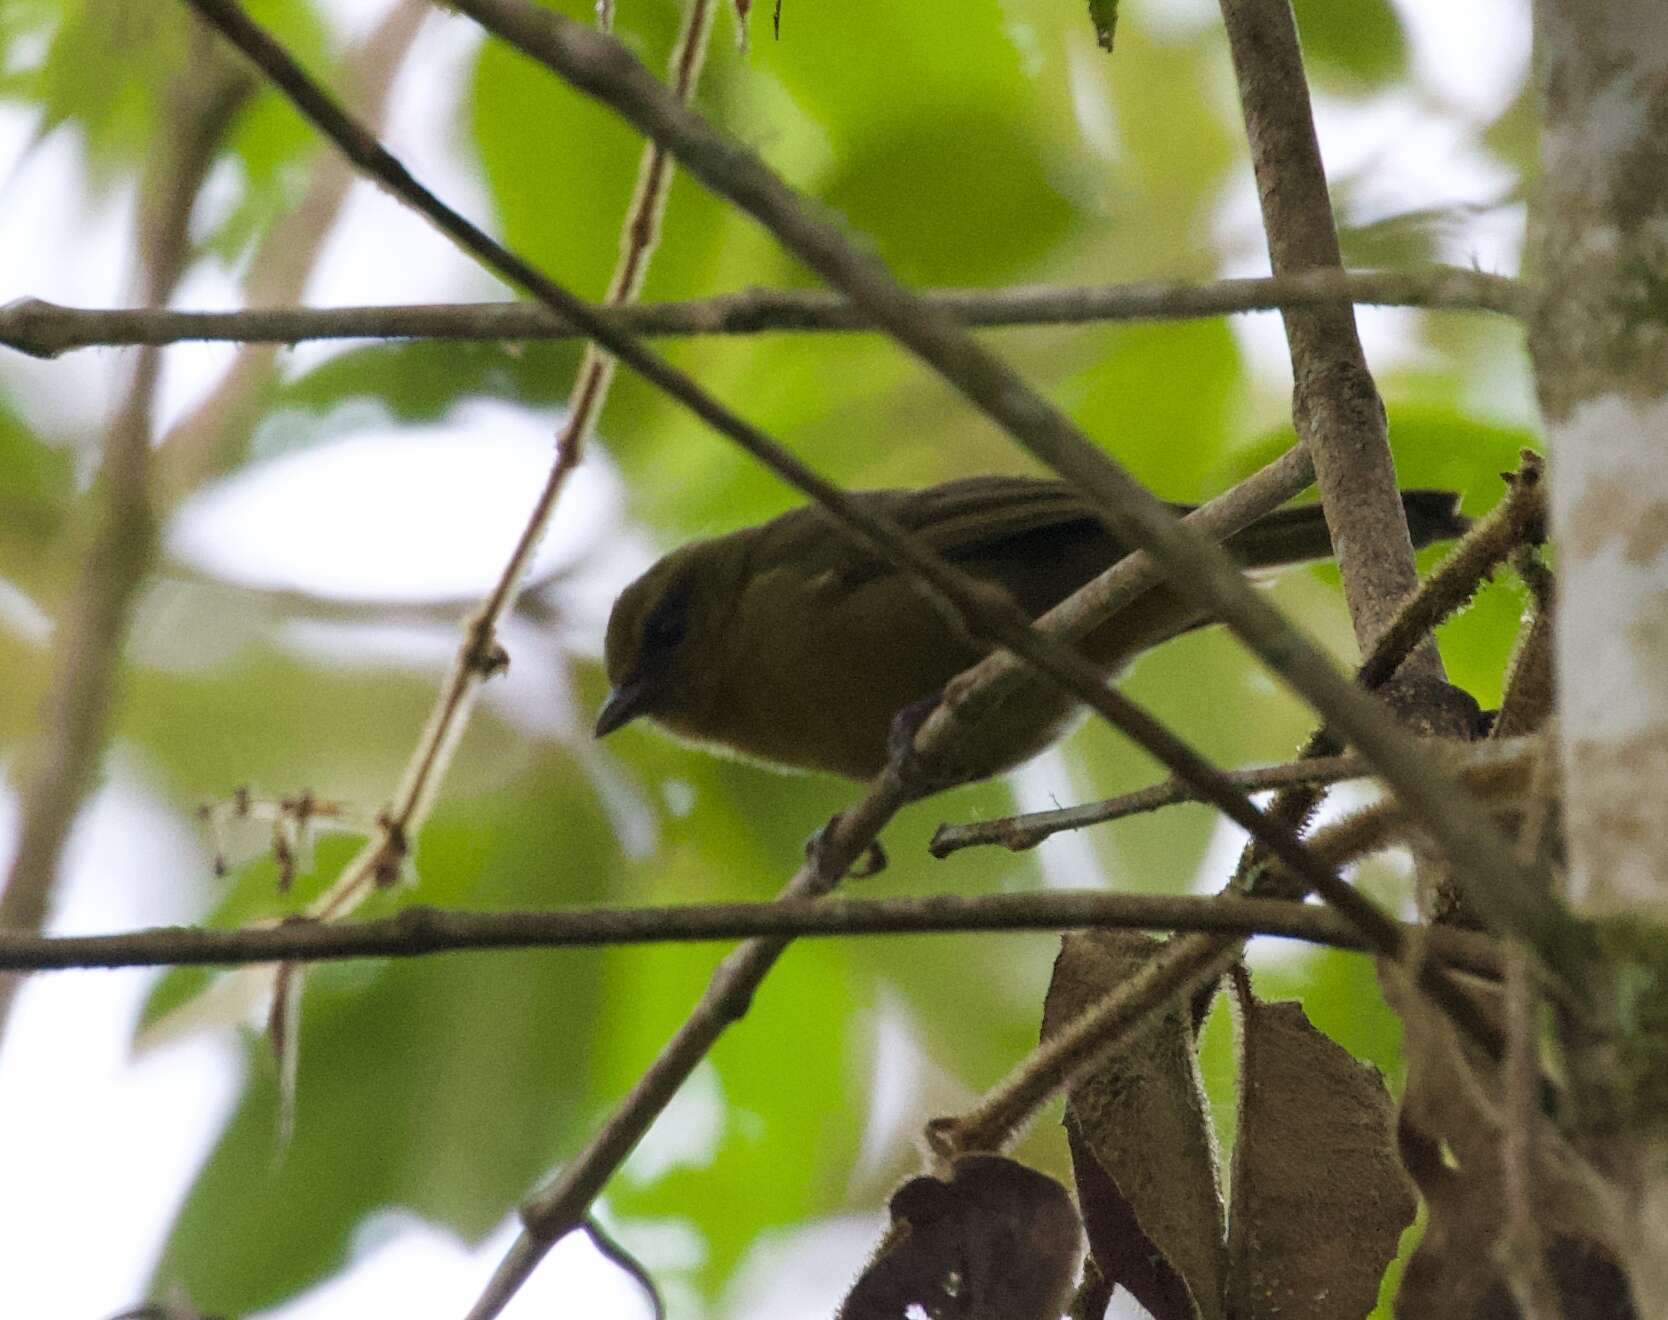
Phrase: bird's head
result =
(664, 643)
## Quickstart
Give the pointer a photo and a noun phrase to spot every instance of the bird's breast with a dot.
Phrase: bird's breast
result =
(816, 668)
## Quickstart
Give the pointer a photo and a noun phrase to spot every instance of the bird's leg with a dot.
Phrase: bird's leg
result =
(919, 776)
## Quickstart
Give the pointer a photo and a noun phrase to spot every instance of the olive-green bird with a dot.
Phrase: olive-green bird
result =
(788, 644)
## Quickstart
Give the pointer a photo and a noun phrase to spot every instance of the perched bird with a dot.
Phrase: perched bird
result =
(789, 644)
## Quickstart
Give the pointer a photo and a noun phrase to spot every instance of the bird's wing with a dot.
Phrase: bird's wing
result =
(974, 513)
(969, 518)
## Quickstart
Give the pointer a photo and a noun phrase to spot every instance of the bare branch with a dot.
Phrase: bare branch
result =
(1000, 1115)
(419, 931)
(480, 655)
(1517, 521)
(1480, 764)
(623, 1260)
(44, 329)
(1339, 415)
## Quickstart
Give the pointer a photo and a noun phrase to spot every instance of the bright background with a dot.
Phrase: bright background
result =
(974, 144)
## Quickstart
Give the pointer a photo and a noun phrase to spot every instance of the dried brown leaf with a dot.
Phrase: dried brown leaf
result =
(1449, 1131)
(1319, 1198)
(998, 1241)
(1143, 1149)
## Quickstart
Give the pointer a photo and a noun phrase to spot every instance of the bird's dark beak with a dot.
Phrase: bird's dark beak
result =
(625, 703)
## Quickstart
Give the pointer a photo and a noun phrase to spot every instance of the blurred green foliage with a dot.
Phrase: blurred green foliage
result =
(966, 145)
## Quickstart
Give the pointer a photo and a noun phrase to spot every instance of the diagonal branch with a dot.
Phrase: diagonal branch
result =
(1335, 404)
(480, 655)
(1514, 523)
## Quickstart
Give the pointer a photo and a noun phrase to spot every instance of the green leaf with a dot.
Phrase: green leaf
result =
(1162, 397)
(421, 382)
(1362, 41)
(937, 195)
(562, 170)
(829, 61)
(109, 64)
(275, 146)
(37, 486)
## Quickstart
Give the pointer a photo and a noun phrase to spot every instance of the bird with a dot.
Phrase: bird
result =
(790, 644)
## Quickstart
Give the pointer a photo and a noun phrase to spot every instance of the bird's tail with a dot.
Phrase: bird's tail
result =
(1298, 534)
(1433, 515)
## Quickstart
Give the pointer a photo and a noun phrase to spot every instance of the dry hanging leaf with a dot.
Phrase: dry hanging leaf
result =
(1450, 1136)
(998, 1241)
(1143, 1150)
(1319, 1198)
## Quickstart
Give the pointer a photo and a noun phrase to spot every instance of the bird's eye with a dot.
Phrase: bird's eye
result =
(665, 628)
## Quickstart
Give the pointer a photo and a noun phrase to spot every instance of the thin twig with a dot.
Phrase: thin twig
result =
(480, 655)
(45, 329)
(1515, 520)
(1476, 762)
(419, 931)
(611, 1248)
(1530, 695)
(1023, 832)
(601, 67)
(91, 634)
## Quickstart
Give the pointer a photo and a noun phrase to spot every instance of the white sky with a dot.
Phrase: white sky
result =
(97, 1149)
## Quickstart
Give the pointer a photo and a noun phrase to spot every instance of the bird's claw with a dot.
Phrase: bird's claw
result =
(919, 775)
(872, 862)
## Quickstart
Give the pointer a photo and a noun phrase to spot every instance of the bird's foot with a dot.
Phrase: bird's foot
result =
(919, 775)
(871, 862)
